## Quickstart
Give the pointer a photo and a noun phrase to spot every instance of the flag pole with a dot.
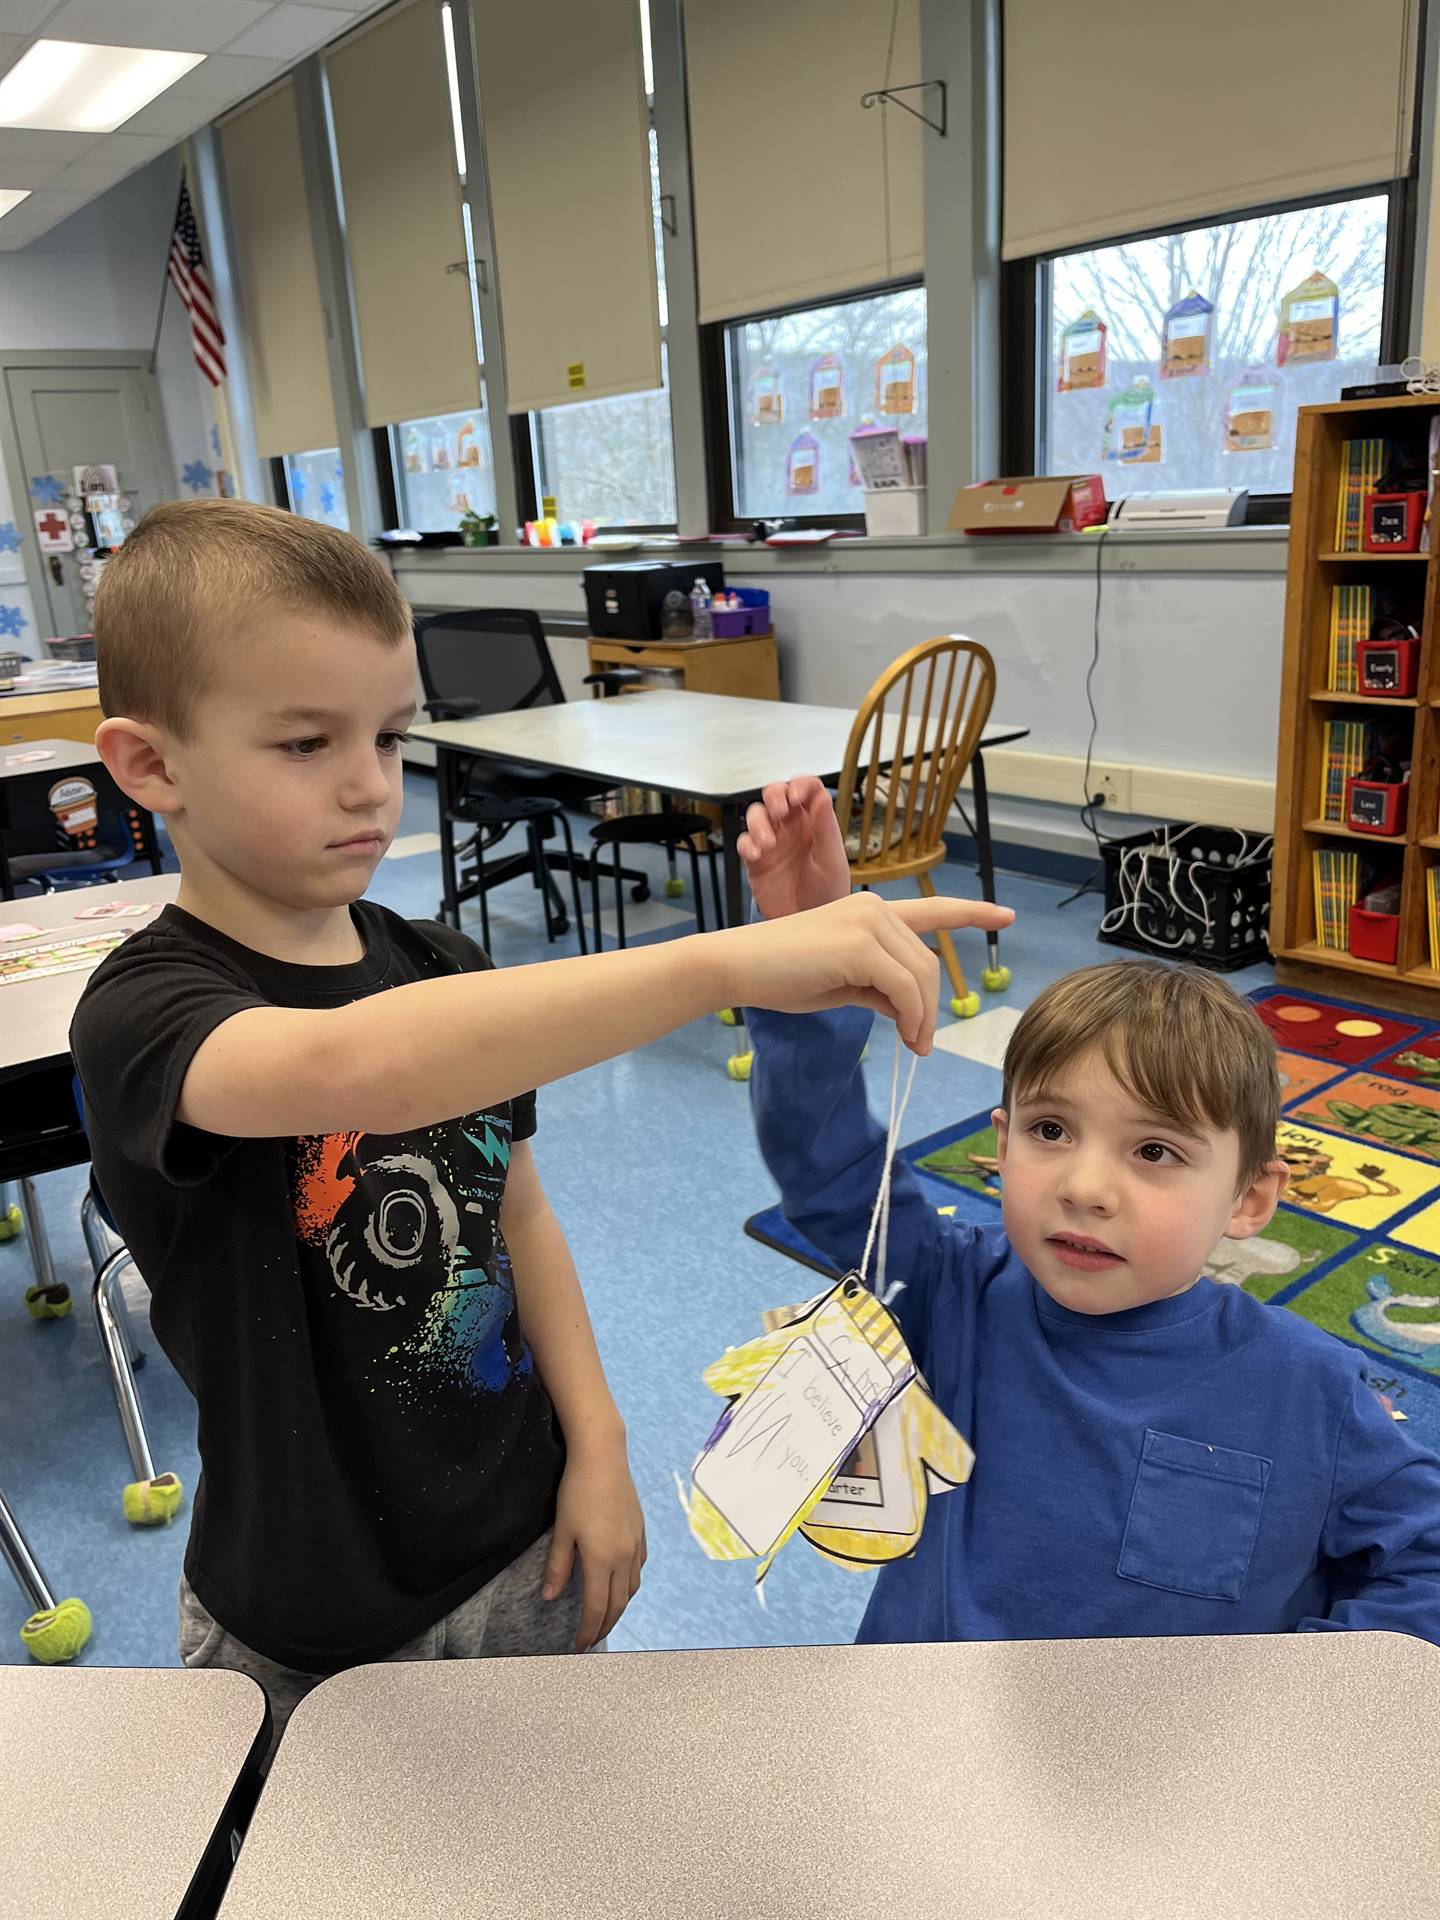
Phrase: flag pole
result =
(165, 283)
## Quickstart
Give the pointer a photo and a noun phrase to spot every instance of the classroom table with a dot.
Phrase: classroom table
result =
(30, 770)
(120, 1788)
(704, 745)
(1293, 1777)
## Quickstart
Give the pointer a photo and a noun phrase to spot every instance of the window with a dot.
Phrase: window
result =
(798, 385)
(315, 484)
(445, 470)
(1184, 357)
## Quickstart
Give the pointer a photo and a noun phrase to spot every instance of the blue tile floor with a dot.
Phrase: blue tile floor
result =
(651, 1165)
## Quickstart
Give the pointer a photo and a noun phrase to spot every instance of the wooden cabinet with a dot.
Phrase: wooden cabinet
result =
(50, 716)
(748, 669)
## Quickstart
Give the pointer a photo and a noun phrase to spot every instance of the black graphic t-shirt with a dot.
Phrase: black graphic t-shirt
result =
(375, 1442)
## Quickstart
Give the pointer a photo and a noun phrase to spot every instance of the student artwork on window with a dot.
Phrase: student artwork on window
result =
(1189, 327)
(895, 381)
(1309, 322)
(802, 465)
(415, 461)
(1132, 433)
(827, 388)
(1082, 354)
(467, 446)
(1250, 414)
(767, 397)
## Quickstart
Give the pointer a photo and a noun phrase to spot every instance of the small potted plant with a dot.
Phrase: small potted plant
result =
(478, 529)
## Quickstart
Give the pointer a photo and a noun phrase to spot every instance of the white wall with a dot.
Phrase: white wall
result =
(1188, 680)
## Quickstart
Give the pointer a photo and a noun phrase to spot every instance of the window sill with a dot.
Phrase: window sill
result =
(1221, 550)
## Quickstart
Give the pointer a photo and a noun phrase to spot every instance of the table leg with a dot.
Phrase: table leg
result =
(995, 976)
(732, 822)
(445, 762)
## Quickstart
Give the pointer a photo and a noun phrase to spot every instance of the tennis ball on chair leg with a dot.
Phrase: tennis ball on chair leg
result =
(995, 979)
(47, 1303)
(12, 1223)
(967, 1008)
(58, 1634)
(153, 1503)
(674, 886)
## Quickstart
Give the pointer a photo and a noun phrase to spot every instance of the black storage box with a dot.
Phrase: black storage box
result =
(626, 602)
(1189, 900)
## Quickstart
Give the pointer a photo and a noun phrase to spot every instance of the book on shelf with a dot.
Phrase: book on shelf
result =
(1350, 619)
(1361, 464)
(1349, 747)
(1337, 887)
(1432, 909)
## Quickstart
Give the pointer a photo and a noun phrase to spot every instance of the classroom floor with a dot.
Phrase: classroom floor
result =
(651, 1166)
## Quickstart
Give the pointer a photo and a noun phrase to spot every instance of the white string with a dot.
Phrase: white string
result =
(880, 1216)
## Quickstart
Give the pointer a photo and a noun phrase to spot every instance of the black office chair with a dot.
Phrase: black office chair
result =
(495, 660)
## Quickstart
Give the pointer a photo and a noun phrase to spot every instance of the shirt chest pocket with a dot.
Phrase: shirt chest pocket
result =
(1194, 1516)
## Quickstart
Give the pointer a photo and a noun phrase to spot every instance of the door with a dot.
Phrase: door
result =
(72, 416)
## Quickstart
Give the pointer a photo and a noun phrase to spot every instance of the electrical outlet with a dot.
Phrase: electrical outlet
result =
(1114, 784)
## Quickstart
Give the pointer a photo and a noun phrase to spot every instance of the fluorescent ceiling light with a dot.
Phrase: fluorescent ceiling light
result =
(11, 197)
(68, 86)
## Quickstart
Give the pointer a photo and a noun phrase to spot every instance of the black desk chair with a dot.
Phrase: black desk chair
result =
(495, 660)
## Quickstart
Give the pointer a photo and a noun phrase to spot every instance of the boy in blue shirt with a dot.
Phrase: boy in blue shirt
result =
(1156, 1453)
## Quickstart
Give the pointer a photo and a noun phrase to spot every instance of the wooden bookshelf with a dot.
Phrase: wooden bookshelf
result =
(1308, 704)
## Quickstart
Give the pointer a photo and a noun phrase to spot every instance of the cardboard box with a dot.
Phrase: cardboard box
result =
(898, 510)
(1045, 503)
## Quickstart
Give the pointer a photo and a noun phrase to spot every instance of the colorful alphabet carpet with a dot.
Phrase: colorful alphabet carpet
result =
(1355, 1247)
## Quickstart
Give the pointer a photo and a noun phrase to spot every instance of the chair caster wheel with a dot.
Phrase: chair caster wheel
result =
(995, 979)
(640, 891)
(727, 1017)
(12, 1223)
(559, 927)
(967, 1008)
(674, 887)
(153, 1503)
(57, 1634)
(47, 1303)
(739, 1064)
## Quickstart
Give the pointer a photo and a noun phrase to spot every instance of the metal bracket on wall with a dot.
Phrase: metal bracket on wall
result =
(669, 219)
(916, 113)
(463, 266)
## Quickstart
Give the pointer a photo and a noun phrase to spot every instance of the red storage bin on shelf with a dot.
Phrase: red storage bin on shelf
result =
(1374, 936)
(1376, 806)
(1388, 668)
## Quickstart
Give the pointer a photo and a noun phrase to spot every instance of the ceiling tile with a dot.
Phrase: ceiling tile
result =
(187, 26)
(222, 78)
(171, 117)
(12, 45)
(86, 178)
(32, 159)
(24, 16)
(291, 31)
(36, 216)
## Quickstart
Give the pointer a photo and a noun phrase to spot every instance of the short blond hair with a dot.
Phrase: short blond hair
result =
(1176, 1038)
(189, 565)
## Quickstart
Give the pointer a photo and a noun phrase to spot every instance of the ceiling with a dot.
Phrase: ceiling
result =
(246, 43)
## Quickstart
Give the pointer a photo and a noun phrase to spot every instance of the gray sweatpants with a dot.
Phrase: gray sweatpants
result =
(504, 1619)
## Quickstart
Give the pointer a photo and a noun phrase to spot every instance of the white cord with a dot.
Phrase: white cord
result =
(880, 1215)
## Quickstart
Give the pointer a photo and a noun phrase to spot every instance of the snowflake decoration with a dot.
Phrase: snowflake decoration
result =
(299, 485)
(327, 498)
(12, 623)
(215, 441)
(9, 537)
(197, 476)
(45, 488)
(339, 471)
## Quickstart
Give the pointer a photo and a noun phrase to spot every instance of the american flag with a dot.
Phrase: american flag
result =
(186, 273)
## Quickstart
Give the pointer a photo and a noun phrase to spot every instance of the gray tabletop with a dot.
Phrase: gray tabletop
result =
(35, 1014)
(709, 745)
(39, 757)
(113, 1781)
(1290, 1777)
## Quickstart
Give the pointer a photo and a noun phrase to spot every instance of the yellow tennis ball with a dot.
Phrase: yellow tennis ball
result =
(47, 1303)
(58, 1634)
(153, 1503)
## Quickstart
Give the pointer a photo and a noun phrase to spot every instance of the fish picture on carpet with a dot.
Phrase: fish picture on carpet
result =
(1418, 1338)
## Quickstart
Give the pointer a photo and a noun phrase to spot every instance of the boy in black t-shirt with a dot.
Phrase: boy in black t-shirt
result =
(408, 1448)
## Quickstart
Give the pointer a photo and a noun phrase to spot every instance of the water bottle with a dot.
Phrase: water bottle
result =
(702, 621)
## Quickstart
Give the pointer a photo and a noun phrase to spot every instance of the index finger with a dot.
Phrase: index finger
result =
(928, 916)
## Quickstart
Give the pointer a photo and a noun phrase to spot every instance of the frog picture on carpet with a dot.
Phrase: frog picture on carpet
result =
(1394, 1113)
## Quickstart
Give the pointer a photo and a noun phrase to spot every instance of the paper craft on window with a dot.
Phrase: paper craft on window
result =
(1082, 354)
(802, 465)
(895, 381)
(1185, 349)
(1250, 414)
(767, 397)
(1309, 322)
(827, 388)
(1132, 434)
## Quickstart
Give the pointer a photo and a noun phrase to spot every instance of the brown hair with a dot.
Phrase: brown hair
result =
(193, 564)
(1176, 1038)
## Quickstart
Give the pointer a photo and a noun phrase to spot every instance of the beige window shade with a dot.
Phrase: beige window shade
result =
(562, 99)
(788, 170)
(1122, 116)
(285, 351)
(390, 102)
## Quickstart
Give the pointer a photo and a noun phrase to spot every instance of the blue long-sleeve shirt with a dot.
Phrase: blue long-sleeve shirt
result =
(1200, 1465)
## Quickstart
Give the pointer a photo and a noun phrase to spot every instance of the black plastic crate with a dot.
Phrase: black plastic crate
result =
(1189, 893)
